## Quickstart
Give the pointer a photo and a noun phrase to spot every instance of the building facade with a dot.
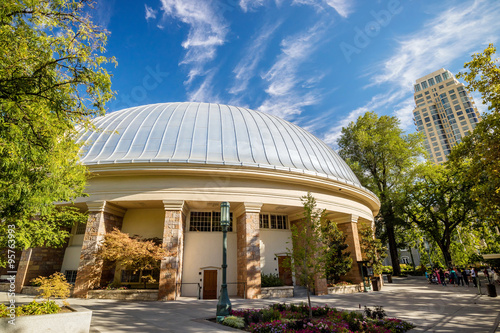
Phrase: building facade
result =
(444, 113)
(161, 171)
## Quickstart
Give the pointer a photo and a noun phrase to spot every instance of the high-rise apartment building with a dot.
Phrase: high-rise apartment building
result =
(444, 112)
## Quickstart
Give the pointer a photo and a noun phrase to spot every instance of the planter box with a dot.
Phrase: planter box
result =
(77, 321)
(277, 292)
(31, 290)
(350, 289)
(125, 295)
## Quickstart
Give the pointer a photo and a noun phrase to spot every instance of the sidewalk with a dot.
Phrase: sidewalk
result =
(433, 308)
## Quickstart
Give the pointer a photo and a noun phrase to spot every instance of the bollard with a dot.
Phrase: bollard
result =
(492, 292)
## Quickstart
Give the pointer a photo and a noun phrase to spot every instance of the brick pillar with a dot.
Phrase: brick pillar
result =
(103, 217)
(248, 250)
(173, 242)
(320, 283)
(349, 226)
(22, 269)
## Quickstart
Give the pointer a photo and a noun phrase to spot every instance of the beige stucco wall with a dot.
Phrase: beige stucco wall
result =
(71, 258)
(147, 223)
(272, 242)
(203, 250)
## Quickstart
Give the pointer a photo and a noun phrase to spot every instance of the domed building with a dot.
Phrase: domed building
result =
(161, 171)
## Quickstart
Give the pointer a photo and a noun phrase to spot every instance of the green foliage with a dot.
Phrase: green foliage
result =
(51, 80)
(307, 255)
(481, 147)
(387, 269)
(270, 314)
(377, 313)
(53, 286)
(373, 250)
(33, 308)
(271, 280)
(337, 261)
(383, 158)
(438, 202)
(233, 321)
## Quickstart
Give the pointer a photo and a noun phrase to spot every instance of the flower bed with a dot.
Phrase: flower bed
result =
(295, 318)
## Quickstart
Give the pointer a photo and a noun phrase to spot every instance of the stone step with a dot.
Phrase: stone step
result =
(299, 291)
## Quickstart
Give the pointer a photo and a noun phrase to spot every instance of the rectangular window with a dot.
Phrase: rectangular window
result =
(207, 222)
(80, 228)
(424, 85)
(70, 276)
(128, 275)
(438, 78)
(446, 76)
(417, 87)
(271, 221)
(449, 83)
(431, 82)
(441, 87)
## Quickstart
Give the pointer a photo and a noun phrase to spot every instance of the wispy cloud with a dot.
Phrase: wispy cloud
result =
(150, 12)
(207, 31)
(245, 69)
(204, 92)
(285, 96)
(247, 5)
(343, 7)
(454, 32)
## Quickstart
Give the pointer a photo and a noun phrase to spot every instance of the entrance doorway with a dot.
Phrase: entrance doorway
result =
(285, 274)
(210, 284)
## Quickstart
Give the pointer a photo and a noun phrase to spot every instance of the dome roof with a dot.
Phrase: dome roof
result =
(211, 134)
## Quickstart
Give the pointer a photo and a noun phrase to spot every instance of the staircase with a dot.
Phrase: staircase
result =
(299, 291)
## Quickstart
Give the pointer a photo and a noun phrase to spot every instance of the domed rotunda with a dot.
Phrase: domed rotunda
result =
(162, 171)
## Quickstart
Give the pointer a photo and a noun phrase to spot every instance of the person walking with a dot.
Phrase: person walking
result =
(460, 278)
(441, 277)
(473, 275)
(453, 277)
(437, 276)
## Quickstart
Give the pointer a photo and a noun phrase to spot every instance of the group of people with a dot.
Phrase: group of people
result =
(462, 276)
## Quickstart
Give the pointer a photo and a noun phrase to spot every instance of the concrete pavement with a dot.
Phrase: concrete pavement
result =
(433, 308)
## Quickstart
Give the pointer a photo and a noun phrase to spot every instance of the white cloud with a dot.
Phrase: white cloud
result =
(207, 31)
(204, 93)
(245, 69)
(247, 5)
(150, 12)
(343, 7)
(378, 101)
(453, 33)
(285, 98)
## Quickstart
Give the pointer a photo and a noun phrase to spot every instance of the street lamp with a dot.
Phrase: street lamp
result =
(224, 304)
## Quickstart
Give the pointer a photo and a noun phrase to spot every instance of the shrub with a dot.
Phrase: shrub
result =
(233, 321)
(271, 280)
(53, 286)
(270, 314)
(33, 308)
(377, 313)
(387, 269)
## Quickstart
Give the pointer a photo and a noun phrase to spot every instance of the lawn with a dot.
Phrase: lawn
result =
(295, 318)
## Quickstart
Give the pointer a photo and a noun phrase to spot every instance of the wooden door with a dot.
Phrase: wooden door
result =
(285, 273)
(210, 284)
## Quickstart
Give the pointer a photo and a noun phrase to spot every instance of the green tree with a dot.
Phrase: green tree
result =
(51, 80)
(372, 248)
(307, 256)
(337, 261)
(482, 147)
(438, 202)
(382, 157)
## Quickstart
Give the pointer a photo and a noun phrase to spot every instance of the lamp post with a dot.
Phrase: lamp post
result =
(224, 304)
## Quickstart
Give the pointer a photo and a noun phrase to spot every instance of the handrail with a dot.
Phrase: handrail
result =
(181, 283)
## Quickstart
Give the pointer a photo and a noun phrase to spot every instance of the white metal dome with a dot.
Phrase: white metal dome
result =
(211, 134)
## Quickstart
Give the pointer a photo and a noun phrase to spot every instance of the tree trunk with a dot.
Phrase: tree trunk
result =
(393, 250)
(446, 254)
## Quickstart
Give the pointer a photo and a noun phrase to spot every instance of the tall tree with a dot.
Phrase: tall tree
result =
(382, 157)
(308, 253)
(337, 260)
(372, 248)
(482, 147)
(51, 79)
(438, 202)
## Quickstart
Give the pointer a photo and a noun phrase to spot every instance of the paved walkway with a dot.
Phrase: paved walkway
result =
(433, 308)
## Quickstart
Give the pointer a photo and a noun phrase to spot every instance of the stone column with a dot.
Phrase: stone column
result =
(320, 283)
(349, 226)
(103, 217)
(173, 242)
(248, 250)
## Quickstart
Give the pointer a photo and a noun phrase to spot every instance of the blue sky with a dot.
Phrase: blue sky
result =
(317, 63)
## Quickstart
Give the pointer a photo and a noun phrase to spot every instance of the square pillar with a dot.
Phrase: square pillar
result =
(103, 217)
(349, 226)
(248, 250)
(22, 269)
(173, 242)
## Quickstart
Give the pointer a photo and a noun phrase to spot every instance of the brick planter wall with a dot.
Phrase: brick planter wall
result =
(355, 288)
(125, 295)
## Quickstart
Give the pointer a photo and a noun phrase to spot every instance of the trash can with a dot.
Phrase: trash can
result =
(389, 278)
(492, 292)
